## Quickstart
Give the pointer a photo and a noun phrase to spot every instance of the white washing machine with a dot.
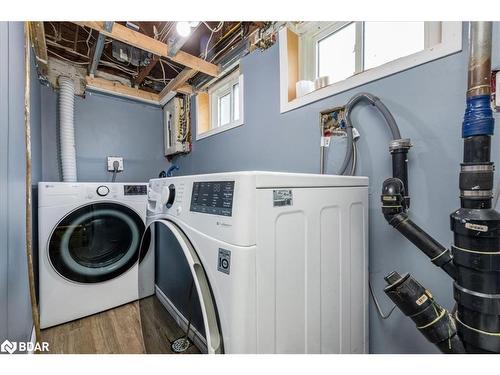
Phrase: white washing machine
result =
(279, 260)
(89, 238)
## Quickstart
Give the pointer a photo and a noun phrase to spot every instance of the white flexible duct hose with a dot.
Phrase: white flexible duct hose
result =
(67, 129)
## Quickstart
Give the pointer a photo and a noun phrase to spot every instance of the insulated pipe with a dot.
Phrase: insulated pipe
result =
(66, 128)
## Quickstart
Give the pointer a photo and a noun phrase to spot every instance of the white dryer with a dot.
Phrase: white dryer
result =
(89, 238)
(279, 260)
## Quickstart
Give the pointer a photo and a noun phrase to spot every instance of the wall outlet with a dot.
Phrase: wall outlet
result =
(111, 160)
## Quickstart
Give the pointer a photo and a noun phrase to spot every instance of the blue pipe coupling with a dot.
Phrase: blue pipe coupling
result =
(478, 118)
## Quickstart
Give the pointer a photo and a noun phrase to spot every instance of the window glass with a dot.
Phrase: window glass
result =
(337, 54)
(225, 109)
(236, 100)
(387, 41)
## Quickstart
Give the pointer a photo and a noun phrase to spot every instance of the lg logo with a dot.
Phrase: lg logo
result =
(12, 346)
(8, 347)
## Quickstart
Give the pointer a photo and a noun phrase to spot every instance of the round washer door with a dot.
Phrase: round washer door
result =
(96, 242)
(210, 322)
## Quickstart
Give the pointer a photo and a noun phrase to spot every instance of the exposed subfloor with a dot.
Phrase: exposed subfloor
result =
(118, 331)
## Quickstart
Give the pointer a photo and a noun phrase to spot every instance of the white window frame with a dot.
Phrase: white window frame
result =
(441, 39)
(216, 91)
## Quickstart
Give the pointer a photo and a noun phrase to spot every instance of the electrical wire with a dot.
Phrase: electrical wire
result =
(225, 48)
(64, 58)
(116, 66)
(212, 32)
(162, 70)
(379, 309)
(172, 66)
(158, 79)
(88, 39)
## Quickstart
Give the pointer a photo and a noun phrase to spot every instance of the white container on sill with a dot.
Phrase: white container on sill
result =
(321, 82)
(304, 87)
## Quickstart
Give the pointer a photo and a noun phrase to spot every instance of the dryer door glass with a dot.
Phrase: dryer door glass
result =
(179, 294)
(96, 242)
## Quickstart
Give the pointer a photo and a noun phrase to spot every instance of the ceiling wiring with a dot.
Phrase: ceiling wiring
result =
(64, 58)
(212, 32)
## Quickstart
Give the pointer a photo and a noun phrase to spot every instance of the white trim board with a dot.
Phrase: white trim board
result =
(451, 43)
(32, 340)
(194, 335)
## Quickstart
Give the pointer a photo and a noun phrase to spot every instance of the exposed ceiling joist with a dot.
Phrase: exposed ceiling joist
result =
(146, 70)
(146, 43)
(104, 85)
(37, 36)
(178, 82)
(98, 48)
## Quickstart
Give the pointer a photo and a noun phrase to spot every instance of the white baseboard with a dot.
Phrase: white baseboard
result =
(32, 340)
(194, 335)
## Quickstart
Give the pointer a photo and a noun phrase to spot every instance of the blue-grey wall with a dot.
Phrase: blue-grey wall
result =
(15, 306)
(105, 126)
(428, 104)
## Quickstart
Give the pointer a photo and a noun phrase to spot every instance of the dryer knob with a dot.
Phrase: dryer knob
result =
(102, 190)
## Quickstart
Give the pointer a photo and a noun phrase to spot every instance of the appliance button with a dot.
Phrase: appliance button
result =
(102, 190)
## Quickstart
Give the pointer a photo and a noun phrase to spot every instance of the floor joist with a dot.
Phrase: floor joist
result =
(146, 43)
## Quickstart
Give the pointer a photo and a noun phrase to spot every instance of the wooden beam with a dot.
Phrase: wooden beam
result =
(37, 36)
(146, 43)
(143, 73)
(185, 89)
(178, 82)
(117, 88)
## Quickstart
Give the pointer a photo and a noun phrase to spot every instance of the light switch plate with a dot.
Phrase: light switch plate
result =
(111, 160)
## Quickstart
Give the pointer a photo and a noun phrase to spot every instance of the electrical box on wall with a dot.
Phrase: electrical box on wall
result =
(176, 126)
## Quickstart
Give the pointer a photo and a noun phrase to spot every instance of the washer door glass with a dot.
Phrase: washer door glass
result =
(97, 242)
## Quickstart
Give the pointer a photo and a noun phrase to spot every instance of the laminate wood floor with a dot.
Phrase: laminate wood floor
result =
(118, 331)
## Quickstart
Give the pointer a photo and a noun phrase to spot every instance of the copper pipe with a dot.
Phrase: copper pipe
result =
(479, 81)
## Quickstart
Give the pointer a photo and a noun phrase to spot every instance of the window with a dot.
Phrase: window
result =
(221, 107)
(336, 54)
(388, 41)
(354, 53)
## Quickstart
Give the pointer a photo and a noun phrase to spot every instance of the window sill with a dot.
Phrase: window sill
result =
(452, 44)
(218, 130)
